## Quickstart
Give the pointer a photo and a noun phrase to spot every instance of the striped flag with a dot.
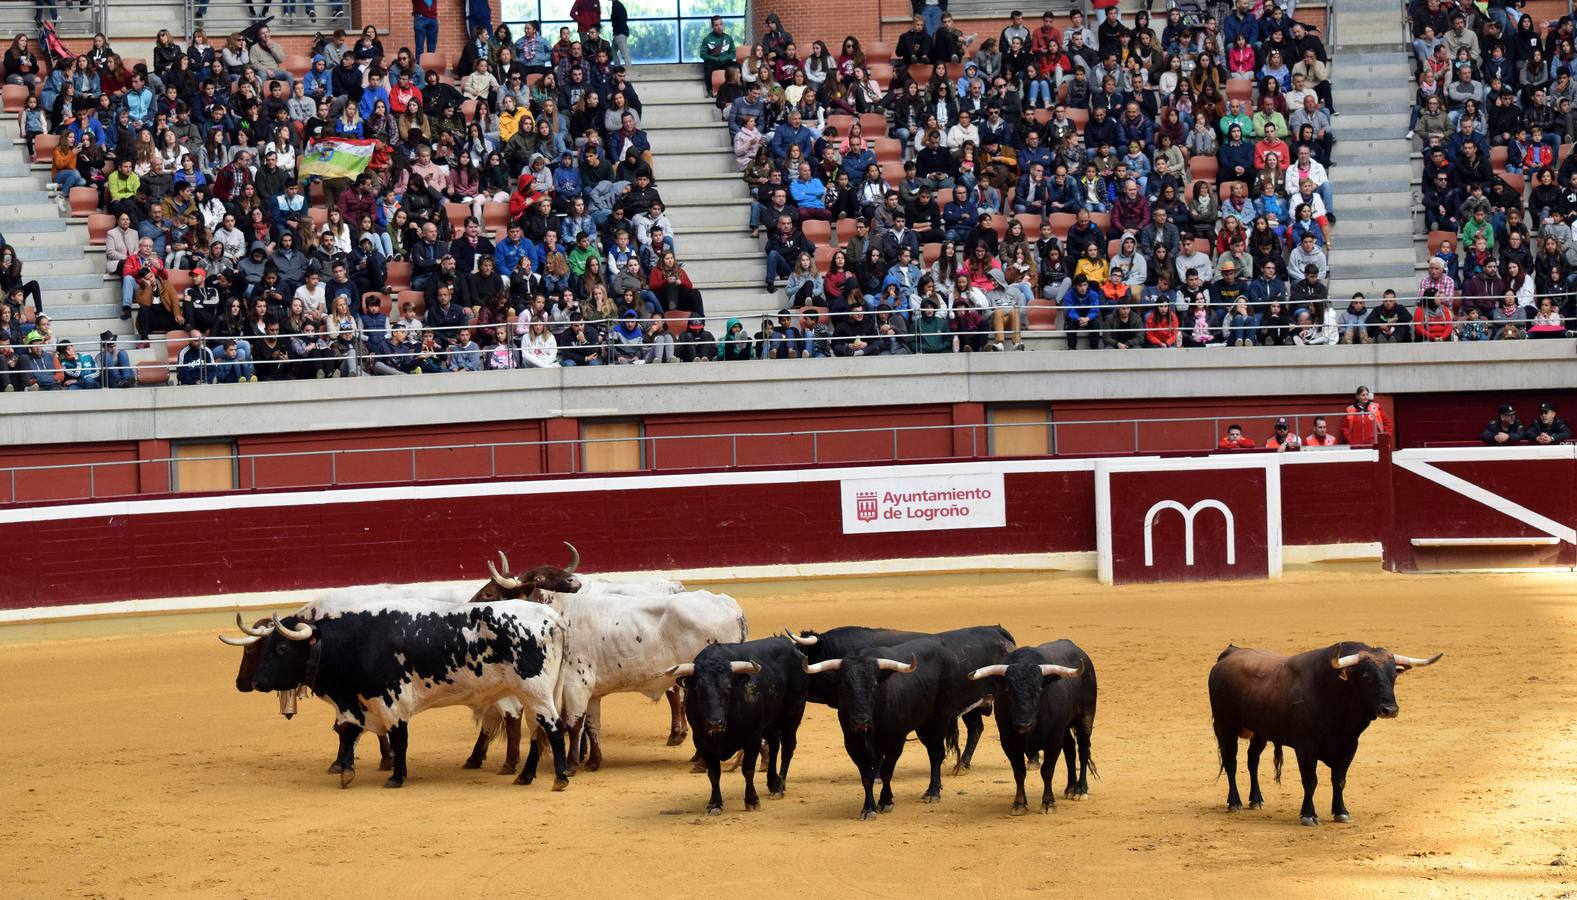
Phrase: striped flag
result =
(335, 158)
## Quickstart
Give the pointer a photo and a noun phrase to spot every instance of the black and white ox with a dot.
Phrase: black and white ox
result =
(1318, 703)
(381, 663)
(538, 584)
(1045, 703)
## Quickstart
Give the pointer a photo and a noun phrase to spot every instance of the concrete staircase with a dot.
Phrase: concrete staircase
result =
(80, 301)
(1373, 180)
(708, 202)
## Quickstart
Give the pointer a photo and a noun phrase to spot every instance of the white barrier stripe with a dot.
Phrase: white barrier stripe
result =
(1494, 501)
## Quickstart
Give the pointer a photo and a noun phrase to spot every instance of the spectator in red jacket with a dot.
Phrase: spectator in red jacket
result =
(1283, 439)
(1366, 421)
(1235, 439)
(1161, 326)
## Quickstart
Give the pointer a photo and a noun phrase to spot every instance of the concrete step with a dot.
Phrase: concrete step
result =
(678, 115)
(1393, 121)
(37, 207)
(710, 137)
(742, 269)
(30, 224)
(54, 262)
(1350, 227)
(101, 311)
(719, 246)
(743, 301)
(24, 183)
(1364, 255)
(640, 74)
(711, 163)
(65, 237)
(1398, 74)
(1366, 151)
(1383, 92)
(709, 213)
(1390, 198)
(700, 189)
(670, 91)
(1376, 170)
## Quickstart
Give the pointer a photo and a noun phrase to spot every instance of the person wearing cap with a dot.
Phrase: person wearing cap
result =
(1505, 428)
(37, 369)
(1283, 439)
(113, 364)
(1548, 428)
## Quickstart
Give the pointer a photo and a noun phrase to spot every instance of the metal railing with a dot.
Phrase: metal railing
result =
(661, 31)
(72, 18)
(218, 17)
(314, 469)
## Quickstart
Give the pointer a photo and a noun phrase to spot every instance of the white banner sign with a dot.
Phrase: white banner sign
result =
(923, 503)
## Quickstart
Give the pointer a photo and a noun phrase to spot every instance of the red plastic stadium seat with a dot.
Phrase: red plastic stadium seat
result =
(99, 225)
(741, 53)
(181, 280)
(1436, 238)
(1042, 315)
(1202, 168)
(676, 320)
(881, 73)
(1514, 179)
(44, 148)
(888, 150)
(1079, 118)
(717, 79)
(133, 62)
(824, 257)
(845, 230)
(1240, 89)
(1113, 246)
(13, 96)
(415, 298)
(1031, 223)
(1041, 116)
(1103, 221)
(400, 275)
(297, 64)
(153, 372)
(1061, 223)
(1205, 246)
(930, 253)
(877, 50)
(319, 216)
(892, 172)
(84, 202)
(173, 340)
(386, 301)
(873, 124)
(816, 231)
(1497, 158)
(434, 62)
(457, 213)
(920, 72)
(495, 218)
(999, 224)
(468, 109)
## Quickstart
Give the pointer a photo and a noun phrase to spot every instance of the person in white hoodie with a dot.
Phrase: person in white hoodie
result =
(538, 348)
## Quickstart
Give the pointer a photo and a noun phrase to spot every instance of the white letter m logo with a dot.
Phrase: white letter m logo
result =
(1188, 513)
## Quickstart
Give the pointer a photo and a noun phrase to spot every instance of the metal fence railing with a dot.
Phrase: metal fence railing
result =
(661, 31)
(656, 453)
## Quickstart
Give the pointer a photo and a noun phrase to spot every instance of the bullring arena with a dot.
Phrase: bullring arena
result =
(136, 769)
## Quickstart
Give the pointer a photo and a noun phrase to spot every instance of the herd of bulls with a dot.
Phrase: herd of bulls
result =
(543, 647)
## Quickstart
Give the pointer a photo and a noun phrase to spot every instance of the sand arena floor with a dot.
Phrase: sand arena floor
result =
(134, 768)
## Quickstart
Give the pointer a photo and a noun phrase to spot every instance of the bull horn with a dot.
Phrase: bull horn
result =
(299, 633)
(574, 558)
(831, 665)
(255, 632)
(744, 667)
(503, 562)
(680, 671)
(893, 665)
(247, 641)
(1343, 662)
(1064, 671)
(504, 581)
(988, 672)
(802, 641)
(1412, 661)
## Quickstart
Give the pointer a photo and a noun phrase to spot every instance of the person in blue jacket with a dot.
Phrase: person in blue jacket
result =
(1081, 310)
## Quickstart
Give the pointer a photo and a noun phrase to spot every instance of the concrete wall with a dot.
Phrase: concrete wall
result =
(231, 410)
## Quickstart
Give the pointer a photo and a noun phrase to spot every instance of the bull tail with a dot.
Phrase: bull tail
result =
(1276, 759)
(950, 740)
(744, 629)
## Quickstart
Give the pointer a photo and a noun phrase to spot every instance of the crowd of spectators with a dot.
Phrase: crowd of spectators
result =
(1494, 119)
(1157, 188)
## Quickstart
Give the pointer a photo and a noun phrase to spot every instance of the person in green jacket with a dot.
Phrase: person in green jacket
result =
(930, 330)
(717, 52)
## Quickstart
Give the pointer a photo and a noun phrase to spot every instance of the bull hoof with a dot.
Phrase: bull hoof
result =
(867, 814)
(1256, 804)
(574, 769)
(1309, 820)
(775, 795)
(1342, 818)
(346, 776)
(525, 778)
(884, 807)
(697, 768)
(714, 810)
(508, 768)
(960, 769)
(931, 798)
(394, 783)
(560, 784)
(752, 805)
(334, 768)
(1019, 809)
(675, 738)
(472, 763)
(593, 764)
(386, 765)
(1234, 807)
(1048, 807)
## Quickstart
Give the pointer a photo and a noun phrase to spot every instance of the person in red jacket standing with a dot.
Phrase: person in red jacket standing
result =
(1366, 421)
(424, 21)
(587, 15)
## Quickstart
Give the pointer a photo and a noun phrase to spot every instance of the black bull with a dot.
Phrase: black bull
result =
(1318, 703)
(1045, 702)
(820, 646)
(920, 686)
